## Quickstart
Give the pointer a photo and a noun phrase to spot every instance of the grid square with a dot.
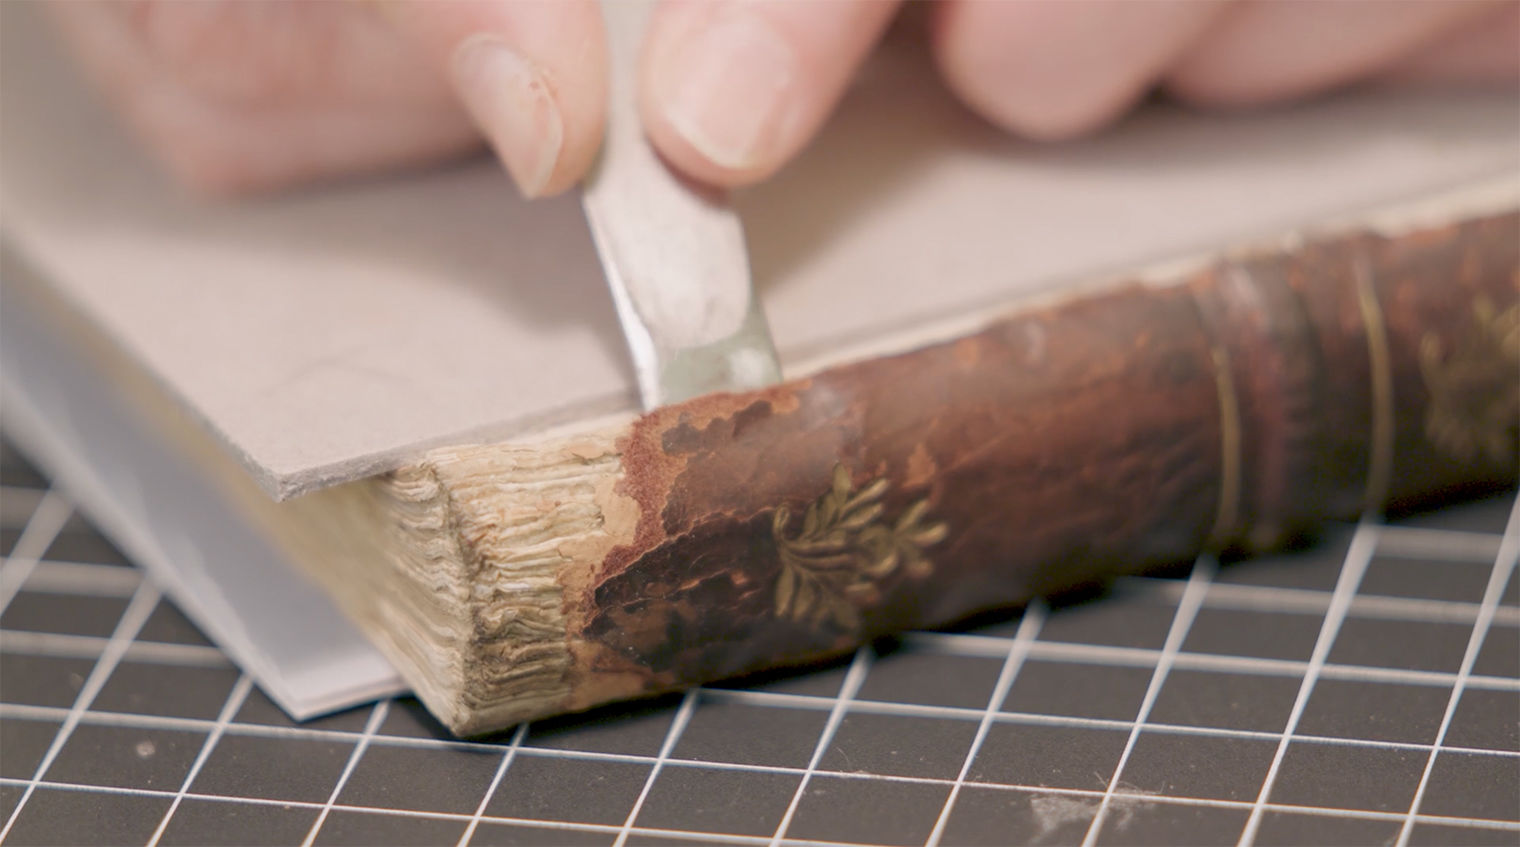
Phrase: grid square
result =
(1348, 776)
(556, 788)
(126, 757)
(74, 818)
(1248, 632)
(1291, 829)
(751, 735)
(1412, 645)
(10, 795)
(1114, 620)
(1500, 653)
(406, 717)
(820, 680)
(1442, 835)
(8, 537)
(867, 811)
(1004, 623)
(1316, 568)
(1511, 595)
(42, 680)
(492, 834)
(273, 768)
(673, 840)
(259, 710)
(23, 743)
(1206, 766)
(169, 625)
(83, 543)
(899, 745)
(1078, 690)
(1252, 702)
(180, 691)
(1048, 756)
(421, 779)
(1490, 515)
(931, 679)
(370, 829)
(638, 729)
(1137, 821)
(66, 614)
(1374, 711)
(716, 800)
(1488, 720)
(208, 823)
(16, 508)
(996, 817)
(16, 470)
(1422, 579)
(1473, 785)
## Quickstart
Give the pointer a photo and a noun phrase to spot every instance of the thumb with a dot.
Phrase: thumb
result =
(532, 75)
(731, 91)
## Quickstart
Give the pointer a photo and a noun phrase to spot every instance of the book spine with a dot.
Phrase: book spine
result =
(1058, 447)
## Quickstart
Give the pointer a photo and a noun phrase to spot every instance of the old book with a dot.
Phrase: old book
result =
(996, 390)
(1227, 405)
(1231, 407)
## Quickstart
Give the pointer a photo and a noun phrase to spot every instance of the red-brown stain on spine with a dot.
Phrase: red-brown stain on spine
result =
(651, 471)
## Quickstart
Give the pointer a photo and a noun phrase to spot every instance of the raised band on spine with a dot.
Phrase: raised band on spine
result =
(1380, 448)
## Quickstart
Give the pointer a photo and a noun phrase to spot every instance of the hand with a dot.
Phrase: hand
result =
(245, 95)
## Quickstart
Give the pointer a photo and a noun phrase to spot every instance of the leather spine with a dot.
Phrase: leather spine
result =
(1138, 426)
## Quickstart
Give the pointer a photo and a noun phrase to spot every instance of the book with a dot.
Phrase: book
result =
(1227, 407)
(1231, 410)
(994, 391)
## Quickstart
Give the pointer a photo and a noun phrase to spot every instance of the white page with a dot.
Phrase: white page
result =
(226, 575)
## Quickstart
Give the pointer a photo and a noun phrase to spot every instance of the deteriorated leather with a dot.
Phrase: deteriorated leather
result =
(1059, 446)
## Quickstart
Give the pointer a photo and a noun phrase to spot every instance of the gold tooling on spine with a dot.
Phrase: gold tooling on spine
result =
(1229, 448)
(1380, 458)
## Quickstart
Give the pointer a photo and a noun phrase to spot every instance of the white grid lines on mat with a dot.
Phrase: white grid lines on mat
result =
(24, 712)
(83, 578)
(377, 715)
(132, 620)
(506, 762)
(68, 646)
(1182, 621)
(1092, 794)
(672, 737)
(234, 702)
(1503, 572)
(1018, 649)
(41, 528)
(860, 665)
(1358, 557)
(105, 652)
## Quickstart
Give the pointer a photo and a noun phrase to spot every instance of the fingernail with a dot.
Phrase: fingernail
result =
(512, 104)
(725, 90)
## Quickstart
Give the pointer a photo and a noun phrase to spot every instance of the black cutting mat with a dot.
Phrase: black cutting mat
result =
(1364, 692)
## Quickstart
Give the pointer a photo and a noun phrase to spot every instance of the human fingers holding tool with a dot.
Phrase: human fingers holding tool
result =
(731, 91)
(251, 94)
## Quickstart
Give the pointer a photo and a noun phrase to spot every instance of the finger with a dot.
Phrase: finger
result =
(532, 75)
(1052, 70)
(238, 97)
(1485, 50)
(256, 54)
(1264, 51)
(730, 91)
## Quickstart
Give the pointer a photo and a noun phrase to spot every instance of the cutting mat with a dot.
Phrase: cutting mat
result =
(1366, 691)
